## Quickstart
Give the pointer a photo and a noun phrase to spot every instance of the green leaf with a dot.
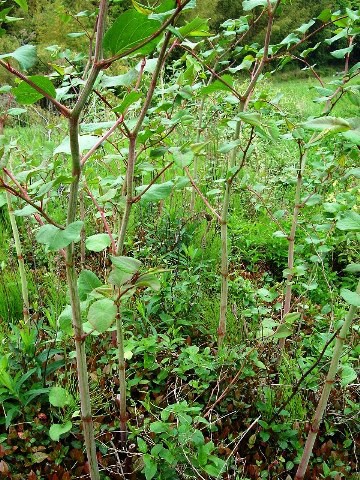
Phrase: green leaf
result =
(197, 27)
(87, 282)
(150, 467)
(250, 4)
(98, 242)
(102, 314)
(227, 147)
(342, 52)
(55, 238)
(142, 445)
(148, 280)
(120, 80)
(353, 134)
(57, 430)
(218, 86)
(283, 331)
(325, 15)
(305, 26)
(25, 55)
(27, 95)
(182, 157)
(352, 268)
(39, 457)
(290, 39)
(333, 124)
(291, 317)
(86, 142)
(22, 4)
(65, 321)
(128, 30)
(348, 375)
(25, 211)
(119, 277)
(349, 222)
(128, 100)
(59, 397)
(16, 111)
(126, 264)
(352, 298)
(156, 192)
(253, 119)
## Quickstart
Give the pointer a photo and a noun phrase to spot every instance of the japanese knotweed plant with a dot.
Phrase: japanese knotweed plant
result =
(243, 131)
(134, 31)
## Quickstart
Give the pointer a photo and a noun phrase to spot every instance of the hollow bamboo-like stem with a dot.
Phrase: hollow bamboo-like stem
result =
(122, 377)
(225, 249)
(132, 148)
(82, 372)
(20, 258)
(71, 277)
(226, 201)
(291, 240)
(330, 379)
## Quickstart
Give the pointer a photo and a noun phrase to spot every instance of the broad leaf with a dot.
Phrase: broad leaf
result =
(218, 85)
(55, 238)
(27, 95)
(102, 314)
(333, 124)
(349, 222)
(16, 111)
(86, 142)
(119, 277)
(250, 4)
(126, 264)
(98, 242)
(128, 100)
(25, 55)
(305, 26)
(87, 282)
(182, 157)
(348, 375)
(148, 280)
(291, 317)
(59, 397)
(65, 321)
(198, 27)
(342, 52)
(352, 268)
(283, 331)
(352, 298)
(130, 29)
(57, 430)
(227, 147)
(156, 192)
(25, 211)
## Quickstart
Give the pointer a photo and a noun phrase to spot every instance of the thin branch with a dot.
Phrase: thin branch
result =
(138, 197)
(62, 109)
(213, 211)
(30, 202)
(101, 140)
(304, 375)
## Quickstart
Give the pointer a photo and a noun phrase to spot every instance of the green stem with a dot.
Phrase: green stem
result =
(291, 239)
(132, 148)
(122, 376)
(71, 276)
(330, 379)
(21, 263)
